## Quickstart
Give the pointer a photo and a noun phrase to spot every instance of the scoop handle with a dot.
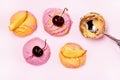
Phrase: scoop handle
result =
(113, 38)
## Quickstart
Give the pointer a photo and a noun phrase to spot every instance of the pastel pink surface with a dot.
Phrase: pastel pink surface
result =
(103, 56)
(49, 14)
(28, 55)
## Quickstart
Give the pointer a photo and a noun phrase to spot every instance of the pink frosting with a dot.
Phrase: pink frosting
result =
(28, 55)
(48, 28)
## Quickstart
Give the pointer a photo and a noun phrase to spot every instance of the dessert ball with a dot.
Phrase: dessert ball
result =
(23, 23)
(72, 55)
(56, 22)
(36, 51)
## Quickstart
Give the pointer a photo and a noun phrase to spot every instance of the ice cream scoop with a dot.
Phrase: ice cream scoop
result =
(56, 22)
(23, 23)
(93, 26)
(36, 51)
(72, 55)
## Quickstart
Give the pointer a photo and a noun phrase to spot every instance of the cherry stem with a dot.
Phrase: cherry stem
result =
(50, 16)
(65, 9)
(113, 38)
(45, 44)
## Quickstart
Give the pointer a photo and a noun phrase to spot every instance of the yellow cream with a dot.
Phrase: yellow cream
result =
(18, 21)
(72, 51)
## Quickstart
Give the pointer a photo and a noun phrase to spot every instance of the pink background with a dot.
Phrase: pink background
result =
(103, 55)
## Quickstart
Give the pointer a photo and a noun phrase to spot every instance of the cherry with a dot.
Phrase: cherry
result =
(37, 51)
(58, 20)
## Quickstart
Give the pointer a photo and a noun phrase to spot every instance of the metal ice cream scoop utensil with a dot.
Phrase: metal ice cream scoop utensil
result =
(113, 38)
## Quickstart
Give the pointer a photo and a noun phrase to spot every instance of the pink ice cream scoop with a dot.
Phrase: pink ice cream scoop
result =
(36, 51)
(56, 22)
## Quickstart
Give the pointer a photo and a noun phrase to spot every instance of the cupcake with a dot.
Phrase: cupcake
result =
(56, 22)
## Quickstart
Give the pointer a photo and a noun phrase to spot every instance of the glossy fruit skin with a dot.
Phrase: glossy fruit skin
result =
(37, 51)
(58, 20)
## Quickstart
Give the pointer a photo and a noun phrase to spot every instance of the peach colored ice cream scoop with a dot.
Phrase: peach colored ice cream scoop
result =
(23, 23)
(36, 51)
(92, 25)
(56, 22)
(72, 55)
